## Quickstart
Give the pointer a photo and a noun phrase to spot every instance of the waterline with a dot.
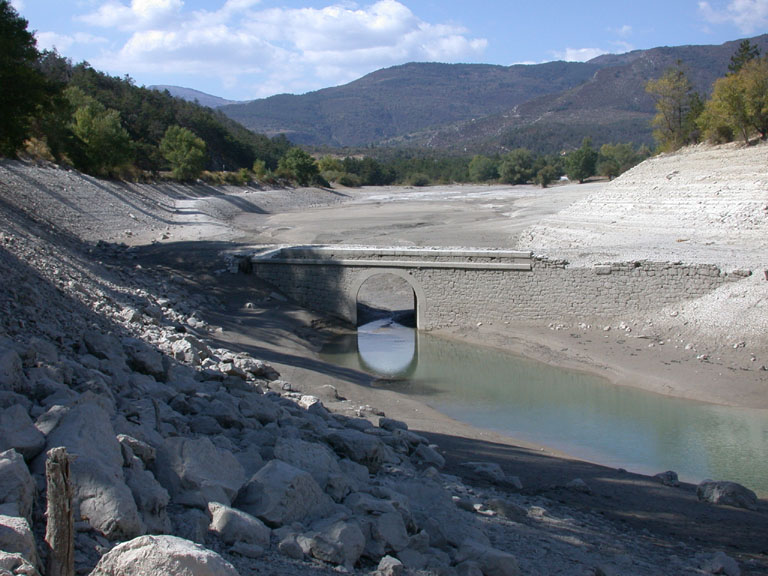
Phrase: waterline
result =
(576, 413)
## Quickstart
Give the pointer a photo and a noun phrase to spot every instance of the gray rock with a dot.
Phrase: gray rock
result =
(190, 350)
(362, 448)
(18, 432)
(391, 425)
(142, 450)
(312, 457)
(248, 550)
(428, 456)
(11, 371)
(232, 525)
(16, 483)
(144, 359)
(195, 471)
(668, 478)
(727, 493)
(280, 494)
(16, 565)
(260, 408)
(191, 524)
(16, 537)
(578, 485)
(101, 345)
(721, 563)
(167, 555)
(289, 547)
(389, 566)
(341, 543)
(492, 562)
(150, 497)
(101, 495)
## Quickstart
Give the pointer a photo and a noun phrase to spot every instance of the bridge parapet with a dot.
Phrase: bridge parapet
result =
(353, 256)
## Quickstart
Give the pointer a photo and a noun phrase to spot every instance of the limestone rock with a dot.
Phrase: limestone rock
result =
(190, 350)
(16, 565)
(280, 494)
(362, 448)
(150, 497)
(17, 431)
(312, 457)
(727, 493)
(721, 563)
(389, 566)
(16, 537)
(492, 562)
(196, 471)
(341, 543)
(11, 370)
(668, 478)
(232, 525)
(167, 555)
(101, 495)
(428, 456)
(16, 483)
(144, 359)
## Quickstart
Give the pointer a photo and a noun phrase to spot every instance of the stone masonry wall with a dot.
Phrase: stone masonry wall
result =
(551, 291)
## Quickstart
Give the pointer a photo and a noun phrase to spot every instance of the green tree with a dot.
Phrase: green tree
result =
(517, 166)
(184, 151)
(745, 53)
(676, 107)
(615, 159)
(546, 175)
(299, 166)
(23, 88)
(104, 144)
(482, 169)
(581, 163)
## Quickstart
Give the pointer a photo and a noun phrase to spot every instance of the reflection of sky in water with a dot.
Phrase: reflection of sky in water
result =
(571, 411)
(386, 348)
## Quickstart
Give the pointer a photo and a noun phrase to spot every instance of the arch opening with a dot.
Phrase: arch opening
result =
(386, 296)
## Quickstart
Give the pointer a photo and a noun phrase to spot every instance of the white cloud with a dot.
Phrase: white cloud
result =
(579, 54)
(276, 49)
(63, 42)
(138, 15)
(747, 15)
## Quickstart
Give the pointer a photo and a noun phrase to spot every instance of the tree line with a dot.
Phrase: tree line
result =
(736, 109)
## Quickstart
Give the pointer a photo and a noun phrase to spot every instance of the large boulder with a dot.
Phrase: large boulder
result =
(11, 370)
(280, 494)
(232, 525)
(150, 497)
(727, 493)
(492, 562)
(16, 483)
(16, 537)
(17, 431)
(315, 458)
(101, 494)
(166, 555)
(365, 449)
(195, 471)
(340, 543)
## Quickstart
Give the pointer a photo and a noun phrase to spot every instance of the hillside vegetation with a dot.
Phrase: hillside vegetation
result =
(545, 107)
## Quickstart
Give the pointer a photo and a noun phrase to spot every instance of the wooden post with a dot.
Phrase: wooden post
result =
(60, 528)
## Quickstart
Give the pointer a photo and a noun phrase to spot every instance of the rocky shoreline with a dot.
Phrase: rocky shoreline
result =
(200, 458)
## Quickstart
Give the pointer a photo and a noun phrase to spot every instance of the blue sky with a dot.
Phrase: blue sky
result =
(246, 49)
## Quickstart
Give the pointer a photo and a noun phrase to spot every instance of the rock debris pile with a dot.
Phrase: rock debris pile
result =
(192, 459)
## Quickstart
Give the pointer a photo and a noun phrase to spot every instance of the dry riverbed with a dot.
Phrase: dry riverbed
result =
(621, 522)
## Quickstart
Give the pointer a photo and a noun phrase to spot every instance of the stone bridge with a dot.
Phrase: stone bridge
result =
(463, 287)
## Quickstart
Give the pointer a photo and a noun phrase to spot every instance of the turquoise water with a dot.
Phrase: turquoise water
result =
(576, 413)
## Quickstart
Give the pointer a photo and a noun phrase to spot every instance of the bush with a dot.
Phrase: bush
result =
(350, 180)
(184, 151)
(418, 179)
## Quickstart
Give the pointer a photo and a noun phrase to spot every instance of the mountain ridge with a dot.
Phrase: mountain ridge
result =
(488, 108)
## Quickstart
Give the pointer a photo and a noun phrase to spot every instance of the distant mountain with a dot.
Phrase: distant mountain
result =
(191, 95)
(480, 107)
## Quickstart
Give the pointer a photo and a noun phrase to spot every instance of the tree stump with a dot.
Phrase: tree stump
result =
(60, 527)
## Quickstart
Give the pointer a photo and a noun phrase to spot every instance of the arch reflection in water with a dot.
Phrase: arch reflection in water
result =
(387, 349)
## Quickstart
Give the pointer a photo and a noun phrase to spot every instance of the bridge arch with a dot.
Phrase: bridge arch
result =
(420, 297)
